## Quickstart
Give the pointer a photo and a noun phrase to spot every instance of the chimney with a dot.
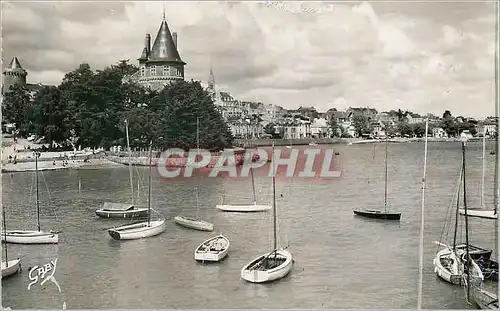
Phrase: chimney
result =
(147, 43)
(174, 37)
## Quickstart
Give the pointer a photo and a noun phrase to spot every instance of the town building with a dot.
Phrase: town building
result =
(159, 64)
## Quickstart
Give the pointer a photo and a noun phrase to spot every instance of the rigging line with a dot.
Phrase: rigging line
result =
(450, 207)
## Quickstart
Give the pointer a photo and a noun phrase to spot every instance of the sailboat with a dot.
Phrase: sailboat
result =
(449, 262)
(482, 297)
(190, 222)
(32, 236)
(242, 208)
(9, 267)
(141, 229)
(378, 214)
(273, 265)
(214, 249)
(482, 213)
(123, 210)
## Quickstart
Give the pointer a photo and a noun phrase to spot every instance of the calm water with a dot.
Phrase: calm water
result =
(341, 261)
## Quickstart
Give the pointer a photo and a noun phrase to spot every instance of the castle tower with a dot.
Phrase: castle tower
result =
(14, 74)
(160, 64)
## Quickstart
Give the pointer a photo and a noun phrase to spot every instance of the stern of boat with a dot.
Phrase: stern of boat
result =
(114, 234)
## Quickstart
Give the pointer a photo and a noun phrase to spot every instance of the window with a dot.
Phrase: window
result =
(153, 70)
(166, 71)
(143, 71)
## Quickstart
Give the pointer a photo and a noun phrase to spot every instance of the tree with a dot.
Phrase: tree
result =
(404, 128)
(269, 129)
(334, 127)
(418, 129)
(184, 103)
(361, 124)
(51, 116)
(16, 108)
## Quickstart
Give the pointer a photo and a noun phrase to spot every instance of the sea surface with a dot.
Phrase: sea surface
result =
(341, 261)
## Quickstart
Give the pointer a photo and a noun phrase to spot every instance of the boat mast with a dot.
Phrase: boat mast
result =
(456, 214)
(484, 166)
(386, 177)
(253, 186)
(149, 190)
(37, 193)
(197, 152)
(5, 237)
(497, 113)
(275, 246)
(467, 261)
(422, 219)
(129, 162)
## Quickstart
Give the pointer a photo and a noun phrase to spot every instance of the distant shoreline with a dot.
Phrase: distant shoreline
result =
(333, 141)
(100, 160)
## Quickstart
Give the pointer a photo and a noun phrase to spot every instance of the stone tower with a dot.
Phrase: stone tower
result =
(160, 64)
(14, 74)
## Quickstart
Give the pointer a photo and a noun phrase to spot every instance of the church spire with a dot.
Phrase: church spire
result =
(211, 78)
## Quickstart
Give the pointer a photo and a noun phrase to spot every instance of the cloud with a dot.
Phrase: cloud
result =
(416, 56)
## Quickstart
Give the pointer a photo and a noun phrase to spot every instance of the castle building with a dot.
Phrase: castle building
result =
(15, 74)
(160, 63)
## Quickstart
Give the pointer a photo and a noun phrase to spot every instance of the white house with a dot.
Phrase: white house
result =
(319, 128)
(438, 132)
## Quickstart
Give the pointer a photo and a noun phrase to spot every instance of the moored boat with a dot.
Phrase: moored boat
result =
(213, 249)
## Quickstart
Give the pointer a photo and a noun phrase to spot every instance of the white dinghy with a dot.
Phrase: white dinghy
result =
(489, 214)
(9, 267)
(214, 249)
(32, 236)
(121, 210)
(245, 208)
(195, 223)
(140, 230)
(268, 267)
(248, 208)
(482, 212)
(124, 210)
(273, 265)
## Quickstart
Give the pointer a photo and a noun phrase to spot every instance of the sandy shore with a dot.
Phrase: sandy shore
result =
(25, 160)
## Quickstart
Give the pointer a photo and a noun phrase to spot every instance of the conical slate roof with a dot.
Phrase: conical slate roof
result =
(163, 47)
(15, 65)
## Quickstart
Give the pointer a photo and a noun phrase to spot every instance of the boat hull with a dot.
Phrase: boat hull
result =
(138, 230)
(454, 272)
(195, 224)
(30, 237)
(375, 214)
(208, 250)
(484, 299)
(251, 274)
(244, 208)
(489, 214)
(13, 266)
(134, 213)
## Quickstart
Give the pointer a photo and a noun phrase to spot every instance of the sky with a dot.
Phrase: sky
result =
(417, 56)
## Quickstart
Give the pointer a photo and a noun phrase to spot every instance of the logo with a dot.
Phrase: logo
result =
(41, 274)
(311, 163)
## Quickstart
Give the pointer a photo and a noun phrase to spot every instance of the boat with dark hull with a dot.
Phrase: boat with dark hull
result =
(380, 214)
